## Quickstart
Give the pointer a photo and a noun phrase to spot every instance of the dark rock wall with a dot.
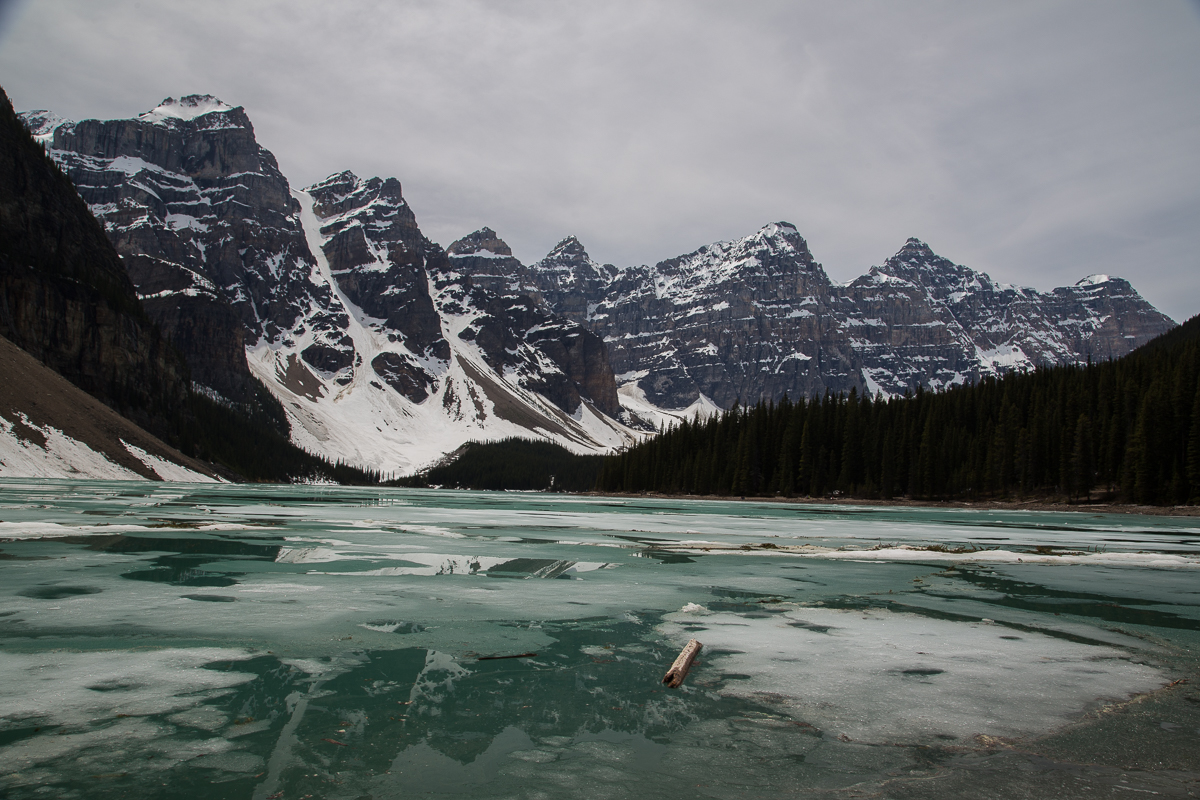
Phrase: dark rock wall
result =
(380, 261)
(65, 297)
(207, 226)
(408, 286)
(758, 318)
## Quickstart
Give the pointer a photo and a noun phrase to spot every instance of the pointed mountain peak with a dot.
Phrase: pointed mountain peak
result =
(42, 124)
(186, 108)
(572, 265)
(569, 249)
(779, 234)
(335, 188)
(916, 263)
(1098, 285)
(389, 188)
(483, 240)
(917, 255)
(915, 247)
(779, 229)
(341, 180)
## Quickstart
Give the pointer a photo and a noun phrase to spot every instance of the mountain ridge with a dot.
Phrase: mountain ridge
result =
(759, 317)
(388, 350)
(380, 353)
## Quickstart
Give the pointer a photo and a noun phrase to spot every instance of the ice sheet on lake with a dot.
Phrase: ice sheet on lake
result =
(92, 700)
(1004, 556)
(879, 676)
(380, 602)
(73, 688)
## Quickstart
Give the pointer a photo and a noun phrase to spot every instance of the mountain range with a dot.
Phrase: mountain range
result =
(389, 351)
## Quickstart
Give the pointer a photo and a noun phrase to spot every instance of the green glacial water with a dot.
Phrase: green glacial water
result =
(180, 641)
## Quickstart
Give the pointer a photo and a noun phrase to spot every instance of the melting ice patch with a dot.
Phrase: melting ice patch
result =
(888, 677)
(999, 556)
(431, 564)
(97, 698)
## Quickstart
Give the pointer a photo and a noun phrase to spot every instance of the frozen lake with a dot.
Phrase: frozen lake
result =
(172, 640)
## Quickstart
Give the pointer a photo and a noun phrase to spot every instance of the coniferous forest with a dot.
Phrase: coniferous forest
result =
(512, 464)
(1125, 430)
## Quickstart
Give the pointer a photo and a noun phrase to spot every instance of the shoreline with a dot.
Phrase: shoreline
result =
(979, 505)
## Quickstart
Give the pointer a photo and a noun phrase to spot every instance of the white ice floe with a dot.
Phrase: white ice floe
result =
(891, 677)
(74, 690)
(998, 556)
(436, 563)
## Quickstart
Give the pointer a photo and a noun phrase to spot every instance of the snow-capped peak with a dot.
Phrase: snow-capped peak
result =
(343, 178)
(483, 240)
(914, 247)
(335, 188)
(777, 228)
(778, 236)
(1093, 280)
(42, 124)
(568, 248)
(185, 108)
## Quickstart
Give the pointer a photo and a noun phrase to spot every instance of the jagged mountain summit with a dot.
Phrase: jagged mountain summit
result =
(204, 222)
(382, 354)
(75, 346)
(758, 317)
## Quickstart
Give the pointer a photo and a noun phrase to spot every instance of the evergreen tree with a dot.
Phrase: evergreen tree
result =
(1193, 460)
(1083, 471)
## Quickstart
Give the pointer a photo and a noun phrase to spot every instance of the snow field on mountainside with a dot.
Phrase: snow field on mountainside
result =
(366, 422)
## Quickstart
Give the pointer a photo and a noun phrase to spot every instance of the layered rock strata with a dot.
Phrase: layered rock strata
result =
(758, 318)
(65, 297)
(382, 354)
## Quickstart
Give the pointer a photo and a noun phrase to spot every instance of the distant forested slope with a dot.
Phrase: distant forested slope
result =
(513, 464)
(1125, 430)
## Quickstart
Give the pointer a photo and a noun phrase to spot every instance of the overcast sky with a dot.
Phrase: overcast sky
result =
(1036, 141)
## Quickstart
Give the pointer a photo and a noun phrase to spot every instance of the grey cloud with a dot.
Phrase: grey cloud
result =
(1038, 141)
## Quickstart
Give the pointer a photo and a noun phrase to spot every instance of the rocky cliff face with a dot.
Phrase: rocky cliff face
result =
(383, 354)
(428, 303)
(65, 297)
(758, 317)
(205, 223)
(990, 328)
(518, 332)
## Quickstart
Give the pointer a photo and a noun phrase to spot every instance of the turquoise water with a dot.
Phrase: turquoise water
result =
(169, 640)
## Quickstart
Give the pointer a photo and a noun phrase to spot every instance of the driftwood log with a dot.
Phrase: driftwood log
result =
(682, 665)
(497, 658)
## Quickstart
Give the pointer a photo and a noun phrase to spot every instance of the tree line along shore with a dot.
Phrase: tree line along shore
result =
(1125, 431)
